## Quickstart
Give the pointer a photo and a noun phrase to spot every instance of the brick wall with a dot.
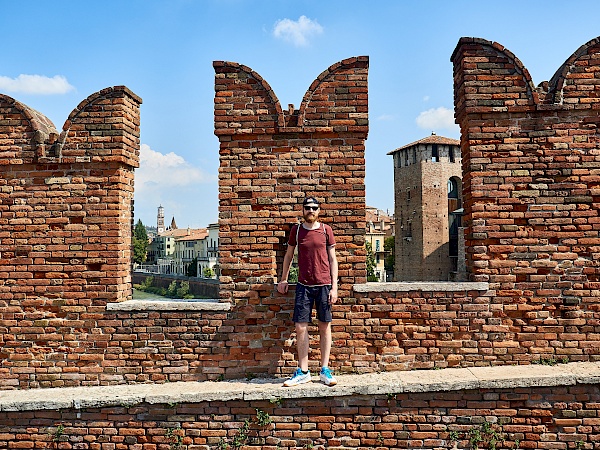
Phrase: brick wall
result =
(529, 190)
(66, 202)
(531, 159)
(271, 159)
(200, 287)
(558, 417)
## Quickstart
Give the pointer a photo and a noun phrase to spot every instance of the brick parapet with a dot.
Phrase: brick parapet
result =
(65, 230)
(270, 159)
(529, 163)
(523, 408)
(379, 327)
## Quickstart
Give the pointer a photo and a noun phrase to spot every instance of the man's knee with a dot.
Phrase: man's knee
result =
(301, 327)
(324, 326)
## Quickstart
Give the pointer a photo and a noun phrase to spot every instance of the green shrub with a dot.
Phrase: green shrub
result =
(183, 290)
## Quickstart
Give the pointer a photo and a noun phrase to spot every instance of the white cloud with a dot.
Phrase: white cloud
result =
(36, 84)
(386, 117)
(297, 32)
(187, 192)
(437, 118)
(165, 171)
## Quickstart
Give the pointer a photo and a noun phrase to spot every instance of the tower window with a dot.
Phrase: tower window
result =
(451, 153)
(435, 155)
(452, 188)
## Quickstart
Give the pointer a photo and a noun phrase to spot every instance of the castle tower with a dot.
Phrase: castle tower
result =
(428, 201)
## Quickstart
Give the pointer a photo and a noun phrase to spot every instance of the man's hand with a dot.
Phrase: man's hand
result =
(282, 287)
(333, 295)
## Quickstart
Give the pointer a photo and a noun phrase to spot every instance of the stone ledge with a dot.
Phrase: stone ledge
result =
(505, 377)
(169, 305)
(430, 286)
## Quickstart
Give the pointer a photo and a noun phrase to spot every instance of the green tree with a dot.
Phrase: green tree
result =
(208, 272)
(389, 245)
(370, 263)
(140, 242)
(192, 268)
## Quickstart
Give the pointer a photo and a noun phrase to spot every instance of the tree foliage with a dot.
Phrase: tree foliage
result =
(140, 243)
(370, 263)
(192, 268)
(389, 245)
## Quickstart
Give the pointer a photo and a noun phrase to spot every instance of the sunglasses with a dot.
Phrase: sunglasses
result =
(311, 208)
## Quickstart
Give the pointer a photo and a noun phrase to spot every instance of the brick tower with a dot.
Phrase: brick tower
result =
(427, 186)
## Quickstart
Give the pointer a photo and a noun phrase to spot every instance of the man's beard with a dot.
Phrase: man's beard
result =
(310, 218)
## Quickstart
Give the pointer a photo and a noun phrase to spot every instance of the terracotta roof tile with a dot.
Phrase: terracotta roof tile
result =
(432, 139)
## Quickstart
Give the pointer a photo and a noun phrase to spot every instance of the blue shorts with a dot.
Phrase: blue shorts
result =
(309, 296)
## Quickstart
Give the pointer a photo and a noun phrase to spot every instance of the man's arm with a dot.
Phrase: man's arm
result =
(333, 268)
(282, 286)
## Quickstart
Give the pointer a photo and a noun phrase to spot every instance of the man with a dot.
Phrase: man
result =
(317, 286)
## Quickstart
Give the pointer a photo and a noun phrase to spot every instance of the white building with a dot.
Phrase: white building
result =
(173, 250)
(208, 259)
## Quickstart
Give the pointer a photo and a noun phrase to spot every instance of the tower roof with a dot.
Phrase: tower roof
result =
(432, 139)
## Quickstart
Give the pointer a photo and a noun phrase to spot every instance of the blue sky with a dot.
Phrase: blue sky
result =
(56, 53)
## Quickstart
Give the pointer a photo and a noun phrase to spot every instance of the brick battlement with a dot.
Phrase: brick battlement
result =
(532, 233)
(271, 159)
(530, 159)
(530, 162)
(67, 203)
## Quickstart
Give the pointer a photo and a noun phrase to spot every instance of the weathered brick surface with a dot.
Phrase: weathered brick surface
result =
(529, 418)
(65, 225)
(530, 196)
(270, 160)
(530, 159)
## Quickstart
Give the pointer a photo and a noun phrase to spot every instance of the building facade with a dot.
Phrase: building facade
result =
(379, 226)
(188, 249)
(208, 266)
(428, 210)
(172, 250)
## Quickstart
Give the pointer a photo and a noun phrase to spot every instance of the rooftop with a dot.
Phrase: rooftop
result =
(432, 139)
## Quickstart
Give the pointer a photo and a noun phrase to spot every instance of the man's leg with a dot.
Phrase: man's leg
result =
(325, 342)
(302, 343)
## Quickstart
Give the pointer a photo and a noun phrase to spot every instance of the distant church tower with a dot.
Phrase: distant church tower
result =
(160, 220)
(428, 210)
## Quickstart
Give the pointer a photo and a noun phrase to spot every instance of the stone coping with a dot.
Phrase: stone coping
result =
(500, 377)
(429, 286)
(211, 305)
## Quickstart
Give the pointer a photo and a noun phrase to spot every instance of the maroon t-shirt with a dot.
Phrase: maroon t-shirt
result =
(313, 260)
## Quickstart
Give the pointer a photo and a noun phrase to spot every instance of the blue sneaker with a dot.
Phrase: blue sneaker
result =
(327, 377)
(298, 378)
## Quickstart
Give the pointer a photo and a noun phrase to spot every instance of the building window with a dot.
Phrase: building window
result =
(452, 188)
(414, 155)
(406, 158)
(451, 153)
(435, 155)
(377, 246)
